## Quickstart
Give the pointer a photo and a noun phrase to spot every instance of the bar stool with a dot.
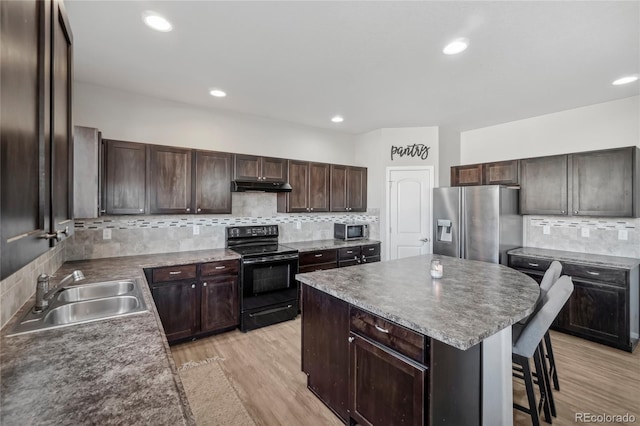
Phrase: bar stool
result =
(548, 280)
(529, 346)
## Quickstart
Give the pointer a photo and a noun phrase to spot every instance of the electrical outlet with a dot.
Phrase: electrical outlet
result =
(298, 225)
(106, 234)
(196, 230)
(623, 234)
(546, 230)
(584, 232)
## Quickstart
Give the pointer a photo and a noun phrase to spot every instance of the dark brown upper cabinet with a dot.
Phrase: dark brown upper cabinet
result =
(310, 183)
(35, 130)
(496, 173)
(348, 188)
(604, 183)
(169, 183)
(263, 169)
(544, 185)
(212, 176)
(125, 180)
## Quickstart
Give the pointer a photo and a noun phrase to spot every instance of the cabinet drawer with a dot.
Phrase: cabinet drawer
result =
(317, 267)
(370, 259)
(173, 273)
(394, 336)
(225, 267)
(596, 273)
(533, 263)
(371, 250)
(319, 256)
(349, 253)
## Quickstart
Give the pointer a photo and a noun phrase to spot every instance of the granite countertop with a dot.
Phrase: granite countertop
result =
(472, 301)
(117, 371)
(575, 257)
(313, 245)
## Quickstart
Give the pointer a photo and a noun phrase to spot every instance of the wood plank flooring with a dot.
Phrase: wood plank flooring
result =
(264, 367)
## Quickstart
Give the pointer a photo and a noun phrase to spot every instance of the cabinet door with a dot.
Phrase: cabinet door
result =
(246, 167)
(213, 182)
(466, 175)
(384, 388)
(597, 312)
(169, 180)
(24, 138)
(219, 304)
(298, 198)
(338, 188)
(176, 303)
(325, 351)
(356, 189)
(501, 173)
(603, 183)
(544, 185)
(319, 184)
(273, 169)
(125, 179)
(61, 124)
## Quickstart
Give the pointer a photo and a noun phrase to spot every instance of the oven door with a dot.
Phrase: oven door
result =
(269, 280)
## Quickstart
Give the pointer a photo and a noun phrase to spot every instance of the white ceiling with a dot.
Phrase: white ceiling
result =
(379, 64)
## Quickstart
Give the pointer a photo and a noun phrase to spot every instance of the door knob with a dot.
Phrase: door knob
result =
(424, 240)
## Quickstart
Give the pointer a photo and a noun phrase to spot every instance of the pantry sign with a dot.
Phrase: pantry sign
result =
(416, 150)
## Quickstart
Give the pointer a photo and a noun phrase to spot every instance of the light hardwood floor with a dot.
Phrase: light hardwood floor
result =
(264, 367)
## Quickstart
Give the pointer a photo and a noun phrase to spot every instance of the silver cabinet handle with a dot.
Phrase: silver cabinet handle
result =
(575, 212)
(593, 273)
(199, 210)
(311, 208)
(562, 211)
(175, 272)
(141, 210)
(349, 251)
(380, 329)
(188, 209)
(193, 286)
(204, 284)
(533, 264)
(317, 255)
(220, 267)
(371, 249)
(351, 339)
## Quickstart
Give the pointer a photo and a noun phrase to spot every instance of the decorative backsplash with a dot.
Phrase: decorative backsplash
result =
(606, 236)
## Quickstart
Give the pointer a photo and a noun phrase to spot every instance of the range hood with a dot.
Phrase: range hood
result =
(245, 185)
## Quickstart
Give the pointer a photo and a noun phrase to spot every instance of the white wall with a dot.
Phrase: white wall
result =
(138, 118)
(449, 153)
(373, 150)
(600, 126)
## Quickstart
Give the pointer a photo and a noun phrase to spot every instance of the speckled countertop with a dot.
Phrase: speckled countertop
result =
(117, 371)
(574, 257)
(472, 301)
(313, 245)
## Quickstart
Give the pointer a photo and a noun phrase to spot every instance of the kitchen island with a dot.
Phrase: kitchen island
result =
(387, 343)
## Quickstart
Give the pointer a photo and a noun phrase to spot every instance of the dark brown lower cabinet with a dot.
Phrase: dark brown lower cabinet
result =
(177, 306)
(219, 303)
(384, 388)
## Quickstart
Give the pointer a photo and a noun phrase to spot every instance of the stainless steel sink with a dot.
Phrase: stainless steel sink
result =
(86, 303)
(96, 291)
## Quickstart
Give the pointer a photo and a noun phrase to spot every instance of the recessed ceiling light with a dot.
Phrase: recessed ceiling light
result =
(337, 119)
(456, 46)
(157, 22)
(625, 80)
(217, 93)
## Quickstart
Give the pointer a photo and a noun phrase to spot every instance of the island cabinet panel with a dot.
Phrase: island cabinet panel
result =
(125, 186)
(177, 306)
(466, 175)
(604, 183)
(212, 177)
(325, 348)
(544, 185)
(384, 388)
(169, 180)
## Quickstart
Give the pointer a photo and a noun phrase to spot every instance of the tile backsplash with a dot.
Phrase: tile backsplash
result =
(133, 235)
(606, 236)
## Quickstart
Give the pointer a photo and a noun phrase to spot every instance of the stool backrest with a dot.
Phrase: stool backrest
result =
(551, 276)
(539, 324)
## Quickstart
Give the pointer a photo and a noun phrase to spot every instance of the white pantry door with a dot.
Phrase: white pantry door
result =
(409, 194)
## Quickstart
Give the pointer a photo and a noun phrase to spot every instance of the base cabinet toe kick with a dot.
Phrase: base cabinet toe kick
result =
(371, 371)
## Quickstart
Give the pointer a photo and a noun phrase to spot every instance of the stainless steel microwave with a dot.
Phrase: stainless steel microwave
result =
(350, 231)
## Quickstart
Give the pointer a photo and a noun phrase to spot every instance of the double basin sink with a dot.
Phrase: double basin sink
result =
(85, 303)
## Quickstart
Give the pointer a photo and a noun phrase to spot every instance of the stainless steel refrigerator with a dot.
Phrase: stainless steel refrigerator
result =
(476, 222)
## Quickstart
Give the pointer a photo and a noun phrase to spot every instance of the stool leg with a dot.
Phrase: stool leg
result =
(547, 381)
(552, 361)
(542, 384)
(528, 384)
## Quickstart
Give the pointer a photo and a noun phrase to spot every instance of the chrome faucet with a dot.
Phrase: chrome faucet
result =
(44, 294)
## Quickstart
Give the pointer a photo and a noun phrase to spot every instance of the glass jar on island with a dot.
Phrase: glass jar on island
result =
(436, 269)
